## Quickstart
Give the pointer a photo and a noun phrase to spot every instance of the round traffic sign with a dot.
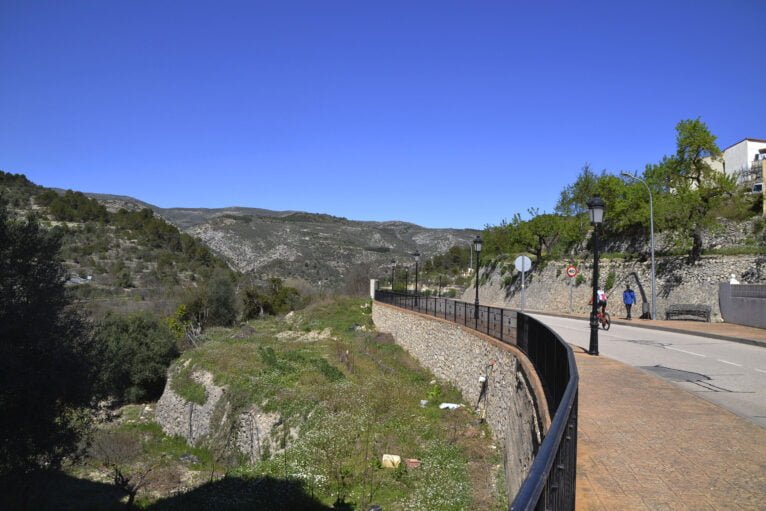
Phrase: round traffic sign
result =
(571, 271)
(523, 263)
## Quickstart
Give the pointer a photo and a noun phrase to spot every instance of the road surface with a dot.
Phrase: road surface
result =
(729, 374)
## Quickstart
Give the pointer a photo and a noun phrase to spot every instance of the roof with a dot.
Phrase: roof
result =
(745, 140)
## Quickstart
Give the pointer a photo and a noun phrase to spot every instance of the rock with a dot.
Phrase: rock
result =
(200, 423)
(188, 458)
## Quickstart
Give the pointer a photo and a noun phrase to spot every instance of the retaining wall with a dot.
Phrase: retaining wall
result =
(516, 407)
(743, 304)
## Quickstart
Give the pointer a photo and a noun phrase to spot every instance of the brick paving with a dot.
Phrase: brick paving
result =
(645, 444)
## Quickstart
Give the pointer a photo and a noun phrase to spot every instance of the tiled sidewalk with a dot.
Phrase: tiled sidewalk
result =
(645, 444)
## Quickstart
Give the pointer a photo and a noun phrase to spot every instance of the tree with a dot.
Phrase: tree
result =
(47, 360)
(221, 299)
(214, 303)
(693, 189)
(136, 353)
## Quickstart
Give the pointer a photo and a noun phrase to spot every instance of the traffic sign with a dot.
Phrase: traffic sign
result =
(571, 271)
(523, 263)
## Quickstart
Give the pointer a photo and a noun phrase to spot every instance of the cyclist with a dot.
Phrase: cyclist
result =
(601, 295)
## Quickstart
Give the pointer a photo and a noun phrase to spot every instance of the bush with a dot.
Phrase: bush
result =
(136, 353)
(214, 304)
(275, 298)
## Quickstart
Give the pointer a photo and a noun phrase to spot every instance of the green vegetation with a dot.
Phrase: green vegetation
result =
(322, 371)
(135, 353)
(47, 358)
(273, 298)
(689, 197)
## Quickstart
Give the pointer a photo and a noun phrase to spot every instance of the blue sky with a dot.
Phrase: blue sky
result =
(441, 113)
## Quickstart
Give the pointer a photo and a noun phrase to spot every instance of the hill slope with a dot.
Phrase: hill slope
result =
(321, 249)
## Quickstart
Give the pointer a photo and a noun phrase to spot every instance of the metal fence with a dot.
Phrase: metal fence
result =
(550, 484)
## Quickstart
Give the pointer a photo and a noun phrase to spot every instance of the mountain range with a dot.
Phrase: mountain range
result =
(318, 248)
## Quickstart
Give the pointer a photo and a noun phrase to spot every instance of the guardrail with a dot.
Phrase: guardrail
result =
(550, 484)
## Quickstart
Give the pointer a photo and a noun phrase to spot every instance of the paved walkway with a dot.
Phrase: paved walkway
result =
(646, 444)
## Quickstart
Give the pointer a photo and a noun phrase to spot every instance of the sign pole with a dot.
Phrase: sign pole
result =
(523, 292)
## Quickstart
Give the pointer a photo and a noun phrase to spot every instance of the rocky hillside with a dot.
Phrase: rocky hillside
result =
(318, 248)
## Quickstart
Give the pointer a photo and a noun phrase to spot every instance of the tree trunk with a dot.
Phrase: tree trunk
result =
(696, 251)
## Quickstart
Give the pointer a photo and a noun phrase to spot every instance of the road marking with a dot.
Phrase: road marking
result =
(761, 371)
(684, 351)
(730, 363)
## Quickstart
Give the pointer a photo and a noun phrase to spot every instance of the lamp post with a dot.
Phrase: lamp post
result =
(651, 240)
(393, 269)
(596, 210)
(417, 260)
(477, 248)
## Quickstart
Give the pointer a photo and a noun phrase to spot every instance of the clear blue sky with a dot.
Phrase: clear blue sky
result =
(443, 113)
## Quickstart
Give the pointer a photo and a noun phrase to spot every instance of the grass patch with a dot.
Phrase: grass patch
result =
(748, 250)
(184, 385)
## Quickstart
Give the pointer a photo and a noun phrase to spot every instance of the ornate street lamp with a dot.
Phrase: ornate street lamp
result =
(477, 249)
(417, 260)
(596, 210)
(393, 269)
(651, 239)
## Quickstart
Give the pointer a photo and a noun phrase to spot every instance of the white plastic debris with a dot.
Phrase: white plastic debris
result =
(391, 460)
(449, 406)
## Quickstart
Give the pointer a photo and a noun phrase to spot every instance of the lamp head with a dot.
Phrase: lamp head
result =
(417, 257)
(477, 243)
(596, 207)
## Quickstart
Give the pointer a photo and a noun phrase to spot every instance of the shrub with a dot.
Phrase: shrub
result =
(136, 353)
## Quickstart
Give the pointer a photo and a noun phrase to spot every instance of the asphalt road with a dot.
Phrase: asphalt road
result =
(729, 374)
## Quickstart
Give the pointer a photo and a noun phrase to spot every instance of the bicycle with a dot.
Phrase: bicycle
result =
(604, 319)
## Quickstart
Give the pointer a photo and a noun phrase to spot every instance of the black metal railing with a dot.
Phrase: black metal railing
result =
(550, 483)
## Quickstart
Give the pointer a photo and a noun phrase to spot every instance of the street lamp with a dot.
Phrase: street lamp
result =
(651, 238)
(596, 210)
(477, 249)
(393, 269)
(417, 260)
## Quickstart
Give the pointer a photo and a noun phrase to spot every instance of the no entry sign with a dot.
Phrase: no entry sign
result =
(571, 271)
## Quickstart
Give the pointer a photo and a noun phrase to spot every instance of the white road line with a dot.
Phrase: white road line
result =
(730, 363)
(684, 351)
(761, 371)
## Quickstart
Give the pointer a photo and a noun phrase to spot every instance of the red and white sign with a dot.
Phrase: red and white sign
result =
(571, 271)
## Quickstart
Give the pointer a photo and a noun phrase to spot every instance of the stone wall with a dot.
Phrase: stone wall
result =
(202, 424)
(677, 282)
(515, 405)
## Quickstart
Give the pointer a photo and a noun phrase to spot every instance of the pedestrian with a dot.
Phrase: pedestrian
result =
(628, 298)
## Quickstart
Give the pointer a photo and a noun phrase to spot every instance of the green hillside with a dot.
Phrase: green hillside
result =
(116, 260)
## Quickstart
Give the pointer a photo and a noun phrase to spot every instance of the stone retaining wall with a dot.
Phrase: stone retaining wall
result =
(677, 282)
(516, 407)
(204, 424)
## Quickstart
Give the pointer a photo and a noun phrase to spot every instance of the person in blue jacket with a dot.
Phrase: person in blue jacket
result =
(628, 298)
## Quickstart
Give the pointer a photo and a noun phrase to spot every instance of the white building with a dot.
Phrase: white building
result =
(745, 160)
